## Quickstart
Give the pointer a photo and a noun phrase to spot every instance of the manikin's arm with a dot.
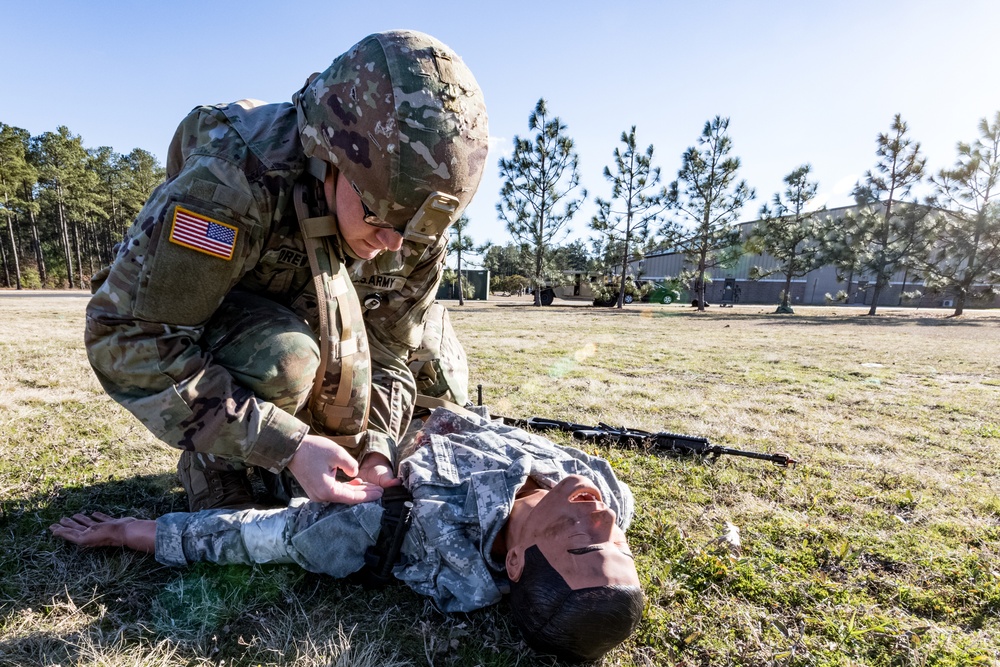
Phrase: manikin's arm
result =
(330, 538)
(101, 530)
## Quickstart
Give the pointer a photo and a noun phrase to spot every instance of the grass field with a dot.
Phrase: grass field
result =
(882, 547)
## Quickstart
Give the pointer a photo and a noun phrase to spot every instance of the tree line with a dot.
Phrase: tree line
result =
(950, 240)
(65, 206)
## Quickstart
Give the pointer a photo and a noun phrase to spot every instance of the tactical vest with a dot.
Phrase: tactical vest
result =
(341, 394)
(439, 365)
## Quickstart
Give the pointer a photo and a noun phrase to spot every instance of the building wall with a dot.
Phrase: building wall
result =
(810, 289)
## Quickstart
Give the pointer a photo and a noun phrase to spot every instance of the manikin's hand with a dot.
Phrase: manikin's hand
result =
(376, 469)
(101, 530)
(315, 466)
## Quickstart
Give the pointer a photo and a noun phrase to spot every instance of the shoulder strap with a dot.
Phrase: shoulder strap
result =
(342, 391)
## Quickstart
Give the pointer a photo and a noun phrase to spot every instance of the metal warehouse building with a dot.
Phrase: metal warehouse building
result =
(811, 289)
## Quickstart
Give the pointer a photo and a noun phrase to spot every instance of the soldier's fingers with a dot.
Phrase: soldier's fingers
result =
(355, 491)
(361, 493)
(84, 519)
(341, 459)
(101, 516)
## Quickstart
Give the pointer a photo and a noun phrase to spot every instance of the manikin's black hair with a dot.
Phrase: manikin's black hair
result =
(574, 625)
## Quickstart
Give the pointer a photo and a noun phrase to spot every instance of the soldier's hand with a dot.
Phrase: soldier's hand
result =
(376, 469)
(315, 466)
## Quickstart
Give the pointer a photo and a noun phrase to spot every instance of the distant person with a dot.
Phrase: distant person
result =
(493, 507)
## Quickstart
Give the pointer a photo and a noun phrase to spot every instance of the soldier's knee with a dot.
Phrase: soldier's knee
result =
(295, 360)
(267, 348)
(281, 364)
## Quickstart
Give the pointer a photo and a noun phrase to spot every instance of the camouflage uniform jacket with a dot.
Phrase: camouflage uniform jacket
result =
(463, 475)
(235, 166)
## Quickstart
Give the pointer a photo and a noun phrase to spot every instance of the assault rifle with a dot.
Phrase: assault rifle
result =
(670, 444)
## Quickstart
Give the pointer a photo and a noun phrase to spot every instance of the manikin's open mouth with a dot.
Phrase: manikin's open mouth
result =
(585, 496)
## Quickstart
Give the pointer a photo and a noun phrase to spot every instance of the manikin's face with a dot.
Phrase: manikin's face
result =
(365, 240)
(575, 531)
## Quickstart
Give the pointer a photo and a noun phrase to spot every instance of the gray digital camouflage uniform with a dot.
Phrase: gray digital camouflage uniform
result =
(463, 474)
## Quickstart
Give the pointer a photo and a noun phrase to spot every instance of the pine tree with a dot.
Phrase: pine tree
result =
(461, 243)
(635, 187)
(14, 169)
(890, 231)
(68, 188)
(539, 178)
(506, 260)
(967, 250)
(788, 233)
(141, 172)
(708, 195)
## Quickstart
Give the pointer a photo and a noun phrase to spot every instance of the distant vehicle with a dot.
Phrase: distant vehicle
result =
(608, 296)
(546, 296)
(660, 293)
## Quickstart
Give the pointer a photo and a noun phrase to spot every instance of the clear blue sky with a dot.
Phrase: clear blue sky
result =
(801, 81)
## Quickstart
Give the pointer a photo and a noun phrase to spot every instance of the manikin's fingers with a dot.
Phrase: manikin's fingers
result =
(71, 522)
(382, 475)
(84, 520)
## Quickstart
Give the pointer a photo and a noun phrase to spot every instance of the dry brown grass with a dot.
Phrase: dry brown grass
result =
(880, 548)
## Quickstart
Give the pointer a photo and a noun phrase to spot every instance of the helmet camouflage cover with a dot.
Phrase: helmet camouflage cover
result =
(401, 116)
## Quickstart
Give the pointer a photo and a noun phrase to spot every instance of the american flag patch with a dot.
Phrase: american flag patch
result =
(203, 234)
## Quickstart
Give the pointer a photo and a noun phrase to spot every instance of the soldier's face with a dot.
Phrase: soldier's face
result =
(577, 534)
(365, 240)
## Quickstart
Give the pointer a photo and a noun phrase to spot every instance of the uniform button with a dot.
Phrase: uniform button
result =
(373, 302)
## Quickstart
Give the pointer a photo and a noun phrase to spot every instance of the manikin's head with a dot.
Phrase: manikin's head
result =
(402, 121)
(574, 588)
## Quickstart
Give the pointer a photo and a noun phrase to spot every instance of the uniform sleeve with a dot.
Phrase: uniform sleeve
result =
(320, 537)
(193, 240)
(394, 330)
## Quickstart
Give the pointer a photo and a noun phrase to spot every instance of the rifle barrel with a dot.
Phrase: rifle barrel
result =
(676, 443)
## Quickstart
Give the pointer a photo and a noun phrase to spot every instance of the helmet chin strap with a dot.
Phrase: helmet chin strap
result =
(327, 175)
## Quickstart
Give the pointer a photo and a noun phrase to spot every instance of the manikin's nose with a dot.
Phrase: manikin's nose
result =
(604, 522)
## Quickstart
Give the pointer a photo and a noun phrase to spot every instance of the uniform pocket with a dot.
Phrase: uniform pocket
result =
(195, 259)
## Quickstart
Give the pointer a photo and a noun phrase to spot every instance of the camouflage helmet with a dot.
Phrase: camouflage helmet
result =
(401, 116)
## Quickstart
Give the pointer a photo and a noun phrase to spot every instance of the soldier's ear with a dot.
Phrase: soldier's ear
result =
(515, 563)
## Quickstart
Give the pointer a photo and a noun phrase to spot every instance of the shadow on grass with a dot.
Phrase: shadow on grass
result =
(36, 567)
(888, 320)
(61, 604)
(138, 495)
(770, 318)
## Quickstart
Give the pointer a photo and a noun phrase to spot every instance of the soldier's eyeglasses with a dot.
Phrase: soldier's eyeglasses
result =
(373, 219)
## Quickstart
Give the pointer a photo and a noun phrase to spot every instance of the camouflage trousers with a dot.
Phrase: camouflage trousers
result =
(271, 351)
